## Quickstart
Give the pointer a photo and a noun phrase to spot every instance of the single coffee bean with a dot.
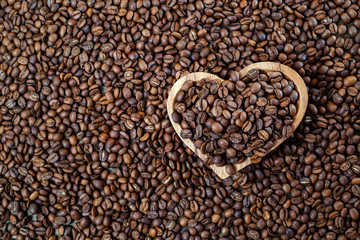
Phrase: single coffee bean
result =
(253, 74)
(252, 234)
(186, 133)
(230, 169)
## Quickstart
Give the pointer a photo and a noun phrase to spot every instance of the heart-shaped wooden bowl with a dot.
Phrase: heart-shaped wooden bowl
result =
(263, 66)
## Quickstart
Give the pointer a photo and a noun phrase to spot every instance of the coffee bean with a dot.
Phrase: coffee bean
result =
(252, 234)
(350, 81)
(98, 30)
(337, 98)
(216, 111)
(351, 233)
(33, 96)
(255, 87)
(59, 220)
(270, 110)
(52, 158)
(275, 76)
(287, 131)
(186, 133)
(356, 190)
(253, 74)
(339, 66)
(216, 127)
(176, 117)
(194, 207)
(2, 75)
(263, 135)
(160, 189)
(247, 126)
(230, 169)
(262, 102)
(220, 192)
(153, 215)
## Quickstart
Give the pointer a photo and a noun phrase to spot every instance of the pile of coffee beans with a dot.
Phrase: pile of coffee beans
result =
(231, 120)
(87, 150)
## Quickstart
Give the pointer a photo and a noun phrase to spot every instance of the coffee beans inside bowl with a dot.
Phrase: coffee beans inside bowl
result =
(238, 118)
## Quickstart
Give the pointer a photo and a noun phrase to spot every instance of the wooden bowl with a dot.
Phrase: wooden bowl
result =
(263, 66)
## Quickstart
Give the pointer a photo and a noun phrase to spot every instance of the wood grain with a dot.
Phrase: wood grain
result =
(264, 66)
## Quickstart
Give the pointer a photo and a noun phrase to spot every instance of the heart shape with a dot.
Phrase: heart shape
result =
(289, 73)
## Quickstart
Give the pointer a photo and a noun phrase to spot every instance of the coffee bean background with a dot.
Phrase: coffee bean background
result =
(87, 150)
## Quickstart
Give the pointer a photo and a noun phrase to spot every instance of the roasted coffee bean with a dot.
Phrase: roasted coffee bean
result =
(252, 234)
(230, 169)
(247, 126)
(52, 158)
(270, 110)
(186, 133)
(263, 135)
(160, 189)
(253, 74)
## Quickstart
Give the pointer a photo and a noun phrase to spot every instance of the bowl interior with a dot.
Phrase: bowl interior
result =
(264, 66)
